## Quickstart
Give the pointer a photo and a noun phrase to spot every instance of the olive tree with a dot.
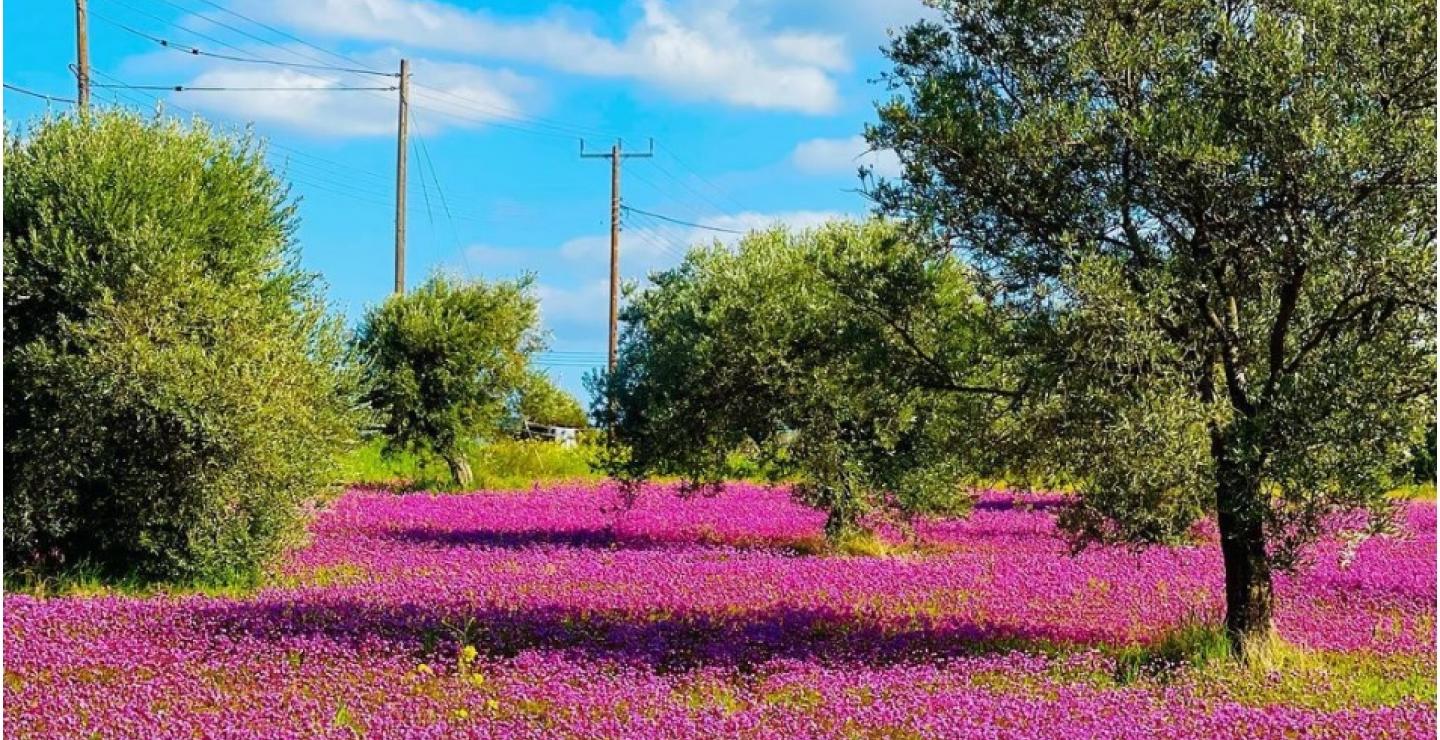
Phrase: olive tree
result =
(443, 361)
(841, 356)
(1214, 224)
(176, 393)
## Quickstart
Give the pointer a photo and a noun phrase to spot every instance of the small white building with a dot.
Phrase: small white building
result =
(566, 436)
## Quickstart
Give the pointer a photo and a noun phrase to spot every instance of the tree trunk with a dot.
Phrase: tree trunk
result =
(841, 519)
(459, 469)
(1249, 593)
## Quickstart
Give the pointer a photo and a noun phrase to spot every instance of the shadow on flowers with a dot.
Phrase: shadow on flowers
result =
(662, 640)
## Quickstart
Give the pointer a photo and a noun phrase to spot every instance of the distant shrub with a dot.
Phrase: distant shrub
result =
(504, 464)
(175, 391)
(540, 401)
(444, 361)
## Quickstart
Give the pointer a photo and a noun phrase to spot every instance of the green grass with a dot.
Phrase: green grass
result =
(1193, 645)
(502, 465)
(1277, 672)
(1415, 492)
(84, 579)
(1199, 655)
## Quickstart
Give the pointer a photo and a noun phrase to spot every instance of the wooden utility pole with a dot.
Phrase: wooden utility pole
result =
(400, 145)
(82, 57)
(615, 154)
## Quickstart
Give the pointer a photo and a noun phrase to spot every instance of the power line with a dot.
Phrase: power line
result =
(291, 157)
(681, 222)
(204, 88)
(684, 184)
(692, 212)
(187, 29)
(33, 94)
(280, 32)
(194, 51)
(429, 164)
(488, 112)
(260, 39)
(339, 184)
(560, 127)
(694, 171)
(489, 120)
(654, 234)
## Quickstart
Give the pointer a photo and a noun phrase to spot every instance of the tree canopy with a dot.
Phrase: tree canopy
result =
(836, 355)
(444, 361)
(176, 393)
(540, 401)
(1212, 224)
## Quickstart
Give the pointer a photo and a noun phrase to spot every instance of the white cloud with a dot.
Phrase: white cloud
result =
(454, 95)
(865, 22)
(644, 250)
(587, 305)
(702, 52)
(845, 155)
(493, 261)
(335, 113)
(752, 221)
(657, 245)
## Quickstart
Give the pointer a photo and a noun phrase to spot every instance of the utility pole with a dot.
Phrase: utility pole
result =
(82, 57)
(400, 144)
(615, 154)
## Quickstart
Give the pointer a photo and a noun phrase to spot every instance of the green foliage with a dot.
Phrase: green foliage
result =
(1192, 645)
(175, 391)
(444, 361)
(1214, 226)
(504, 464)
(1422, 457)
(843, 356)
(540, 401)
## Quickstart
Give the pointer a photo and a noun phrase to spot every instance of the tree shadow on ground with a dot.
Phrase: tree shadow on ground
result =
(602, 538)
(1018, 503)
(599, 538)
(664, 639)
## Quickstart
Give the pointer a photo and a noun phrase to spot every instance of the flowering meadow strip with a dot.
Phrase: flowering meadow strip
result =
(697, 617)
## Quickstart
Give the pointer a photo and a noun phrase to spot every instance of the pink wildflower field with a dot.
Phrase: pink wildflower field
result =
(560, 613)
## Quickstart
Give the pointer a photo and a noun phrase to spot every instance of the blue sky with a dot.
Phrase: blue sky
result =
(755, 107)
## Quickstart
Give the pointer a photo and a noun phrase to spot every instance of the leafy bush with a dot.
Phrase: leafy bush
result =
(444, 361)
(839, 356)
(174, 389)
(540, 401)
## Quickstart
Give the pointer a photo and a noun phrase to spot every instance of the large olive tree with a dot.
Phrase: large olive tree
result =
(176, 394)
(843, 356)
(1214, 221)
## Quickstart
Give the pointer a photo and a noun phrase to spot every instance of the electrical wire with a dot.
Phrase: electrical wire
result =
(488, 112)
(510, 113)
(33, 94)
(205, 88)
(691, 211)
(262, 40)
(194, 51)
(680, 221)
(716, 189)
(285, 34)
(656, 235)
